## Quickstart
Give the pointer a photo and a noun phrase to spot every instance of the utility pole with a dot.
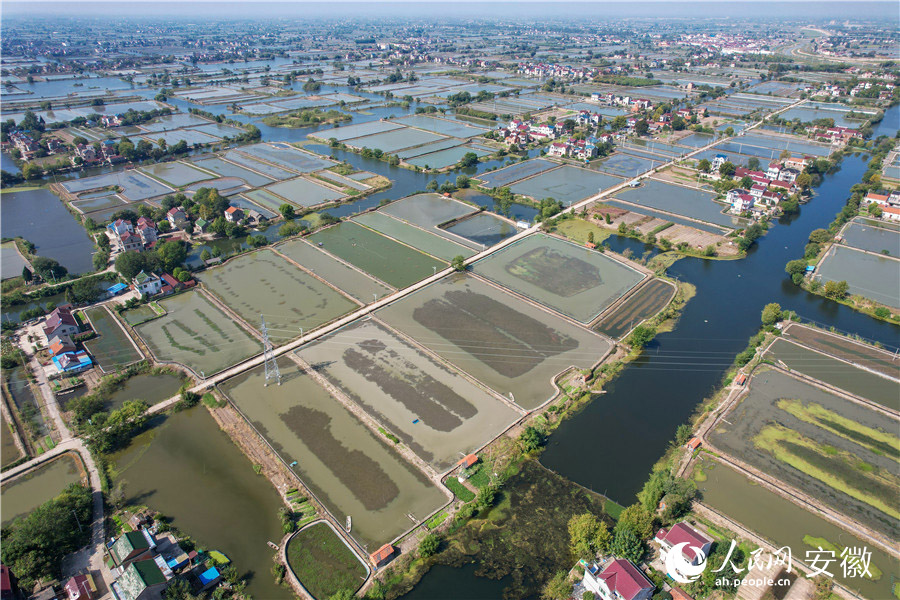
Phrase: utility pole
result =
(271, 364)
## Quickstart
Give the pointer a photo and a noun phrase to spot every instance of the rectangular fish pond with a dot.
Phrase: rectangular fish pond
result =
(431, 407)
(351, 469)
(513, 346)
(264, 283)
(574, 280)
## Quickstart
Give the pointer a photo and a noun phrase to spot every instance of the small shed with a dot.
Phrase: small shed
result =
(693, 443)
(382, 556)
(468, 461)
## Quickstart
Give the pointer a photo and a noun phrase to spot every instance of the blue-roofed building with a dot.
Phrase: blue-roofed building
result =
(72, 362)
(116, 289)
(209, 577)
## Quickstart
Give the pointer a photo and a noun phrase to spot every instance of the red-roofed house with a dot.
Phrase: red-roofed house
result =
(620, 580)
(60, 344)
(891, 213)
(382, 556)
(682, 533)
(81, 587)
(879, 199)
(147, 230)
(468, 461)
(60, 322)
(233, 214)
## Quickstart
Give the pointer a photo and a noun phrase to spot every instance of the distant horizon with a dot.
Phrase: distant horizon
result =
(261, 9)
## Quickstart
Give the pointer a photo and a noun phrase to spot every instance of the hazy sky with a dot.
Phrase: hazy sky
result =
(795, 9)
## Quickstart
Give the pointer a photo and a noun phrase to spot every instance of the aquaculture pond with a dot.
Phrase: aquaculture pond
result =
(420, 239)
(477, 327)
(567, 184)
(322, 561)
(651, 298)
(188, 469)
(786, 524)
(351, 281)
(40, 217)
(574, 280)
(871, 235)
(113, 348)
(152, 389)
(483, 230)
(680, 200)
(263, 283)
(9, 452)
(842, 375)
(25, 493)
(869, 275)
(385, 259)
(352, 470)
(843, 454)
(432, 408)
(197, 334)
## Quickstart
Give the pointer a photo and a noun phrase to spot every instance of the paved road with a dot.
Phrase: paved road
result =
(92, 556)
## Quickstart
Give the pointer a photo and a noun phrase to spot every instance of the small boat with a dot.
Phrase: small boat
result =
(349, 524)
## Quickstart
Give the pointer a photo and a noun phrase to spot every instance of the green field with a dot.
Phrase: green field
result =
(323, 563)
(383, 258)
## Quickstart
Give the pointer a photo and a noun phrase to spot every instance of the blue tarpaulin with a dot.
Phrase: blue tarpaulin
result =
(209, 575)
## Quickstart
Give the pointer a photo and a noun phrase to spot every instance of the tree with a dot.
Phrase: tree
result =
(205, 255)
(641, 336)
(458, 263)
(343, 594)
(469, 159)
(531, 439)
(626, 544)
(641, 127)
(26, 274)
(796, 269)
(771, 314)
(557, 588)
(875, 211)
(429, 545)
(84, 291)
(31, 171)
(100, 260)
(432, 185)
(804, 180)
(287, 211)
(727, 169)
(638, 519)
(34, 545)
(171, 254)
(753, 163)
(462, 181)
(704, 165)
(590, 237)
(129, 264)
(48, 268)
(588, 536)
(836, 290)
(820, 236)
